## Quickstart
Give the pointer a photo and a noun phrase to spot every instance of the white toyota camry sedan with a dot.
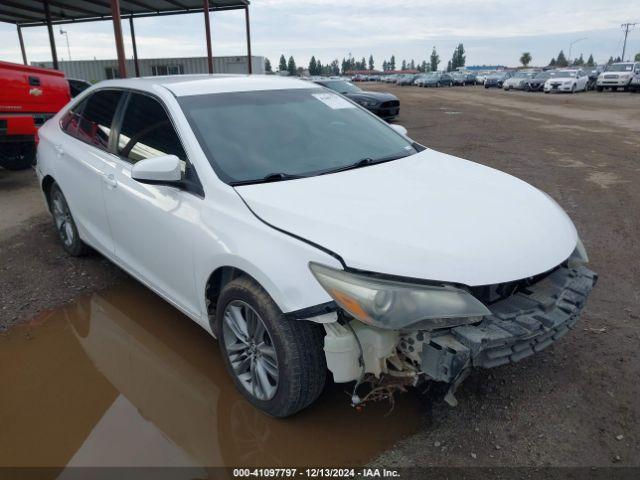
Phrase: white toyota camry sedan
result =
(309, 236)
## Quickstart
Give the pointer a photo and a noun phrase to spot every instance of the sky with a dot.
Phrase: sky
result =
(492, 31)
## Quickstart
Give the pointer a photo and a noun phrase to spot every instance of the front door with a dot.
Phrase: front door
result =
(153, 225)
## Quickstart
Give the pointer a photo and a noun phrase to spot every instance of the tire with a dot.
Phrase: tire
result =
(65, 224)
(527, 88)
(600, 89)
(286, 374)
(17, 156)
(573, 88)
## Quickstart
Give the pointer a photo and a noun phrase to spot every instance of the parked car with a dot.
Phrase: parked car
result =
(472, 78)
(28, 97)
(593, 73)
(618, 75)
(298, 245)
(76, 86)
(518, 81)
(385, 105)
(406, 79)
(496, 80)
(459, 78)
(436, 79)
(568, 81)
(536, 83)
(634, 86)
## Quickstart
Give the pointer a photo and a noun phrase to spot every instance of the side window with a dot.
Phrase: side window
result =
(71, 119)
(146, 131)
(94, 124)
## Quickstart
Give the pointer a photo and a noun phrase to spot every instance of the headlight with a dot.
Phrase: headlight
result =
(395, 305)
(579, 255)
(366, 103)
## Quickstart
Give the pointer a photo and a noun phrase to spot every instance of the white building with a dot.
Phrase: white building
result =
(96, 70)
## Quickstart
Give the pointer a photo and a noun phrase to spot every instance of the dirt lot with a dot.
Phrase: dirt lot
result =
(576, 404)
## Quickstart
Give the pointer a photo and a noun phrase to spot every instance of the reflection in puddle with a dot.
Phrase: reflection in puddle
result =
(121, 378)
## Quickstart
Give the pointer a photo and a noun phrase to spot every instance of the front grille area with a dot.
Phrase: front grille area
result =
(390, 104)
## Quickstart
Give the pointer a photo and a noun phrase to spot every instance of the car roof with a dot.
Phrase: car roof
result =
(188, 85)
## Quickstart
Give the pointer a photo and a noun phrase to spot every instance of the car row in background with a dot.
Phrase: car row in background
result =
(617, 76)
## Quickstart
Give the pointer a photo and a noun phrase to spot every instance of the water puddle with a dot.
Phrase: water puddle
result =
(120, 378)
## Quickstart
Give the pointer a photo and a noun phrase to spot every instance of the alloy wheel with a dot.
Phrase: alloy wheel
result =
(62, 218)
(250, 350)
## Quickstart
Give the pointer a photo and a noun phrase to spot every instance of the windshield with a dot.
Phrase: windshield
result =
(248, 136)
(544, 75)
(564, 74)
(340, 86)
(620, 67)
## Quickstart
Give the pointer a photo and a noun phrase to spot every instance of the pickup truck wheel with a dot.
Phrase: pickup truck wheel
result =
(278, 364)
(17, 156)
(65, 224)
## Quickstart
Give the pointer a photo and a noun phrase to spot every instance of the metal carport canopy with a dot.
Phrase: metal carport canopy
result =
(31, 13)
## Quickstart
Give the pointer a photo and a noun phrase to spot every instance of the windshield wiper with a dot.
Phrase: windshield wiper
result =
(272, 177)
(363, 162)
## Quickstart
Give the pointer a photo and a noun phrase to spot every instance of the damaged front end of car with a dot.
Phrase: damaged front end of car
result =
(390, 335)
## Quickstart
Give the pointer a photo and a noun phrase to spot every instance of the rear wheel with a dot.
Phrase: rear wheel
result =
(17, 156)
(65, 224)
(277, 364)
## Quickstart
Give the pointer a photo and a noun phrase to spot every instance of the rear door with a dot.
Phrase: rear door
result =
(153, 225)
(83, 164)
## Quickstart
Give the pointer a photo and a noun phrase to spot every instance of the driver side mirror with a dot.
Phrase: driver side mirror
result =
(163, 170)
(400, 129)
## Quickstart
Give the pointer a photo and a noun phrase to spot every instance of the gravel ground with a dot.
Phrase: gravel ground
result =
(576, 404)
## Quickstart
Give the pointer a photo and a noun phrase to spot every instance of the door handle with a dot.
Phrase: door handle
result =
(110, 180)
(59, 150)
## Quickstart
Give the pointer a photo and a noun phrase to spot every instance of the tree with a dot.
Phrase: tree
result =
(590, 61)
(525, 59)
(578, 62)
(412, 65)
(561, 61)
(313, 66)
(372, 65)
(392, 62)
(404, 65)
(267, 66)
(424, 66)
(283, 64)
(458, 58)
(449, 66)
(363, 64)
(335, 68)
(435, 60)
(637, 58)
(291, 66)
(552, 63)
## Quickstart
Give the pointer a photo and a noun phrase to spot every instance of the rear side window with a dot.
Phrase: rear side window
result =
(70, 120)
(94, 121)
(146, 131)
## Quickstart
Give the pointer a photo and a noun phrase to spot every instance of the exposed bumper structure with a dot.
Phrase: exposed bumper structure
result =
(520, 326)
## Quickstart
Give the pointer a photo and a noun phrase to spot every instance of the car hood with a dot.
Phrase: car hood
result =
(377, 96)
(428, 216)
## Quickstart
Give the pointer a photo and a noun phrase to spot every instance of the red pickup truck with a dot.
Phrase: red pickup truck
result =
(28, 97)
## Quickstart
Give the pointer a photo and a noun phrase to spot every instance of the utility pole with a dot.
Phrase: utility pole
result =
(627, 27)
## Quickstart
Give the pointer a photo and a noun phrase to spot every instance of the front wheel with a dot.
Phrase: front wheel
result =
(278, 364)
